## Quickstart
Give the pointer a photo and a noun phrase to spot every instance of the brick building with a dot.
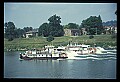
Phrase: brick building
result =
(72, 32)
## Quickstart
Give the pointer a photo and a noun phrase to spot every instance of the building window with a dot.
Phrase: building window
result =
(76, 34)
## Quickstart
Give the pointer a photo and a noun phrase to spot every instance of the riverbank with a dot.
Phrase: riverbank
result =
(22, 44)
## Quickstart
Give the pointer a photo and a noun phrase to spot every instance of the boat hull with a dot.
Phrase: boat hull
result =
(43, 58)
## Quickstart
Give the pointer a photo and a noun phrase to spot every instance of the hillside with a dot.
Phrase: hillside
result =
(39, 42)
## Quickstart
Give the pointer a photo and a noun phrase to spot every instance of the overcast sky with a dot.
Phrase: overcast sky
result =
(35, 14)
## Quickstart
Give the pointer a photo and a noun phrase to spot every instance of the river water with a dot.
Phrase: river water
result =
(61, 69)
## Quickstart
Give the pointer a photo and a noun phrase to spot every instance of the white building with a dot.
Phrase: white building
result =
(31, 34)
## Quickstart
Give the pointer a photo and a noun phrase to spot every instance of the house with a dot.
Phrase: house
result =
(31, 34)
(84, 32)
(110, 29)
(115, 30)
(72, 32)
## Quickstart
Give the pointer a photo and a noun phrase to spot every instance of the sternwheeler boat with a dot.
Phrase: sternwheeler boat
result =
(48, 53)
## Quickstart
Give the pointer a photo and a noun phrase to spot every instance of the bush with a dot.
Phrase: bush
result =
(113, 36)
(30, 36)
(91, 36)
(50, 38)
(10, 39)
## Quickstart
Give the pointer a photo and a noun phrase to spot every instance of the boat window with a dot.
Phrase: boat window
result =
(84, 47)
(60, 50)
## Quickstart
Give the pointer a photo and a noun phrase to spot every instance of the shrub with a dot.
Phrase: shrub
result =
(30, 36)
(10, 39)
(91, 36)
(113, 36)
(50, 38)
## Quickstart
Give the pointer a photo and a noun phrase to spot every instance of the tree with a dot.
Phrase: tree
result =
(52, 28)
(26, 29)
(71, 26)
(19, 33)
(93, 25)
(9, 31)
(43, 30)
(30, 28)
(54, 20)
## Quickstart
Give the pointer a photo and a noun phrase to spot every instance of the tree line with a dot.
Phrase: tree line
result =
(12, 32)
(110, 23)
(92, 25)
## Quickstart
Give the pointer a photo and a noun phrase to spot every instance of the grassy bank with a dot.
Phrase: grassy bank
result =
(39, 42)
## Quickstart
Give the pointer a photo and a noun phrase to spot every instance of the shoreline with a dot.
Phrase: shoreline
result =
(22, 44)
(25, 49)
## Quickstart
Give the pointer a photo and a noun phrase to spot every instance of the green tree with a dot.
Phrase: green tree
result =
(9, 31)
(54, 20)
(93, 25)
(99, 26)
(26, 29)
(52, 28)
(43, 30)
(71, 26)
(19, 33)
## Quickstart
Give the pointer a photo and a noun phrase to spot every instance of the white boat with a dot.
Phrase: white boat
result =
(21, 59)
(81, 49)
(48, 53)
(65, 52)
(100, 50)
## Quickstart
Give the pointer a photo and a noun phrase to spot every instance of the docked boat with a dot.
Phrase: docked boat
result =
(48, 53)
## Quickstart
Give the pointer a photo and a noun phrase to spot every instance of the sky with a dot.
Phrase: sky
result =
(35, 14)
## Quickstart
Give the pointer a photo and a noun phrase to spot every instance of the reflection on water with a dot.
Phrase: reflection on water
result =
(75, 69)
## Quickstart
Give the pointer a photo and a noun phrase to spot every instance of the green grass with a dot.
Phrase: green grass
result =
(39, 42)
